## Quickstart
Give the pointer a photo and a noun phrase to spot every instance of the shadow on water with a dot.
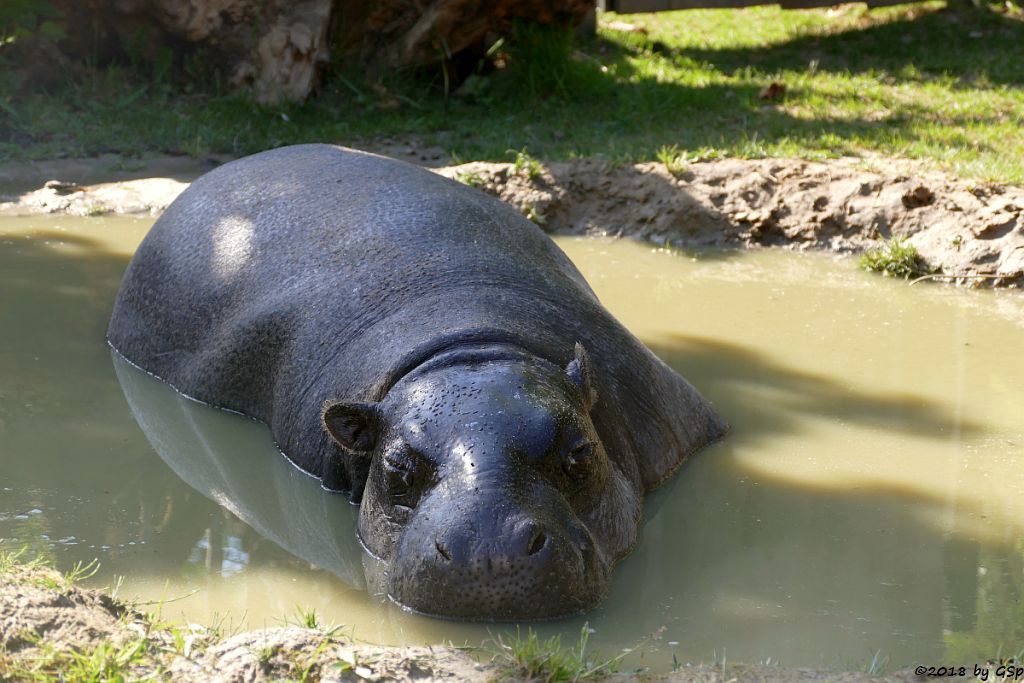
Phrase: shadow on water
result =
(225, 458)
(734, 558)
(761, 568)
(771, 397)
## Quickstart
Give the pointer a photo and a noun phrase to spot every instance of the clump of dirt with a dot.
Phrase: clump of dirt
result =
(37, 607)
(961, 229)
(141, 197)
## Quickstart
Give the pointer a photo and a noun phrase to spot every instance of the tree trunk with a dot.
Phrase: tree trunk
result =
(278, 48)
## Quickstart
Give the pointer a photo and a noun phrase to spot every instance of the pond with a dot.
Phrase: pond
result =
(867, 505)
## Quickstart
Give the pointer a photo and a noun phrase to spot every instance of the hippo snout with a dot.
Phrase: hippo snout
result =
(522, 566)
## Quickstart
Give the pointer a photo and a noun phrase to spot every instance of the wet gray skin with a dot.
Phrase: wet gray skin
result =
(490, 492)
(426, 349)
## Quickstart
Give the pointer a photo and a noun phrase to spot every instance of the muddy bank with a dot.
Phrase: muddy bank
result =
(961, 229)
(970, 232)
(51, 629)
(48, 626)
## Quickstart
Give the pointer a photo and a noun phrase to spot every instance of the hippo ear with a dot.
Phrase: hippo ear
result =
(355, 426)
(579, 373)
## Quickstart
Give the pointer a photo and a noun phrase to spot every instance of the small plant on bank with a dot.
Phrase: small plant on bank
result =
(81, 571)
(104, 662)
(470, 178)
(526, 165)
(534, 215)
(532, 659)
(895, 258)
(308, 618)
(673, 158)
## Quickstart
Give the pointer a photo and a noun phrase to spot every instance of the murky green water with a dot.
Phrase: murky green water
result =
(870, 498)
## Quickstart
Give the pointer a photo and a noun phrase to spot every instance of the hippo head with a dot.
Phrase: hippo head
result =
(490, 494)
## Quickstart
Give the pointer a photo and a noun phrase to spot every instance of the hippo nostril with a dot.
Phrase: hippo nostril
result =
(537, 542)
(443, 551)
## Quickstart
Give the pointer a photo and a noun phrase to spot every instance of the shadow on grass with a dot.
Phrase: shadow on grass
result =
(605, 106)
(973, 45)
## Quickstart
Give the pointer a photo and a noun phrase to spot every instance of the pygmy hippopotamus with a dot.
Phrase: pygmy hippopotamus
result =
(422, 346)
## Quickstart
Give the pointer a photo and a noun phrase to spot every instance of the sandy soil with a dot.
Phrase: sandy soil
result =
(968, 232)
(43, 620)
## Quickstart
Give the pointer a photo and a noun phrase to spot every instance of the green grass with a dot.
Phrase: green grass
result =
(530, 658)
(895, 258)
(673, 159)
(526, 165)
(18, 563)
(471, 179)
(920, 81)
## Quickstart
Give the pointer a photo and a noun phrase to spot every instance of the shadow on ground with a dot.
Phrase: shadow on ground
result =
(972, 45)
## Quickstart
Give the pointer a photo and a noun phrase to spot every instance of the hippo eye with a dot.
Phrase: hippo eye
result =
(578, 457)
(400, 474)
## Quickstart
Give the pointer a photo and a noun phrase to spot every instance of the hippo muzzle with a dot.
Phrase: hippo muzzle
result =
(489, 491)
(514, 551)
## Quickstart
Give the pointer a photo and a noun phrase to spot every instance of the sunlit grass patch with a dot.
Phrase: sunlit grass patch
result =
(530, 658)
(895, 258)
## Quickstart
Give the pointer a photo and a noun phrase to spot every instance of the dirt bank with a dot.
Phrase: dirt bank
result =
(52, 630)
(969, 232)
(844, 205)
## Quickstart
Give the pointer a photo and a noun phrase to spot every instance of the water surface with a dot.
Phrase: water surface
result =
(869, 500)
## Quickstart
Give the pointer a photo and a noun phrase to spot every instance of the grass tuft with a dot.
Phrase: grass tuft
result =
(532, 659)
(673, 158)
(104, 663)
(895, 258)
(470, 178)
(525, 164)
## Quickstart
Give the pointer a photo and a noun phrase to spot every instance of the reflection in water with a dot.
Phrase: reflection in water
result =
(223, 554)
(222, 455)
(869, 499)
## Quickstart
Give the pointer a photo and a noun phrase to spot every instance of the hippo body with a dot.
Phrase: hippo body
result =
(423, 347)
